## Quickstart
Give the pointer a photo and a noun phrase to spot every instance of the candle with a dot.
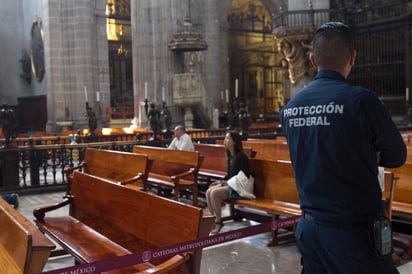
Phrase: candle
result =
(227, 96)
(236, 88)
(85, 94)
(145, 90)
(163, 94)
(97, 96)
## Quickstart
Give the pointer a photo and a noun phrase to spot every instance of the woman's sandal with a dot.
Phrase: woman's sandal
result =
(217, 226)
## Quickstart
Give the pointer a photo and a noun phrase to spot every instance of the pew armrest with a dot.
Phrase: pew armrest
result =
(69, 171)
(139, 176)
(41, 211)
(188, 175)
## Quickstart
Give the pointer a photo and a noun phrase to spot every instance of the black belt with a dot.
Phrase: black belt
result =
(310, 218)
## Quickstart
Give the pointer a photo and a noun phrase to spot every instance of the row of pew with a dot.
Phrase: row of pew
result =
(106, 178)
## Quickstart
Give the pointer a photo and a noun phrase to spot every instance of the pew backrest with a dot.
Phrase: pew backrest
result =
(270, 149)
(154, 219)
(215, 160)
(403, 189)
(135, 219)
(214, 157)
(274, 179)
(117, 166)
(171, 169)
(170, 161)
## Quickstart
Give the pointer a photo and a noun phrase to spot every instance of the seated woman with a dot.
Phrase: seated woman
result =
(220, 191)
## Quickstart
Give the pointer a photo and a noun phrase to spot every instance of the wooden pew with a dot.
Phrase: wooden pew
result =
(117, 166)
(402, 210)
(275, 191)
(175, 170)
(108, 220)
(23, 248)
(214, 164)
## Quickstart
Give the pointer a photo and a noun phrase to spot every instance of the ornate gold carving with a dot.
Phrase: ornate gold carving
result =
(294, 44)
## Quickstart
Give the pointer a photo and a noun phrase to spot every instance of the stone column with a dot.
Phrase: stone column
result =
(76, 59)
(211, 16)
(153, 22)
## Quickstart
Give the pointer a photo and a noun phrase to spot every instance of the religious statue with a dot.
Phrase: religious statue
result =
(167, 121)
(92, 119)
(166, 116)
(244, 119)
(9, 124)
(25, 66)
(230, 119)
(153, 115)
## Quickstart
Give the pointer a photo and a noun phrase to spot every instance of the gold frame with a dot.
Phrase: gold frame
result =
(37, 49)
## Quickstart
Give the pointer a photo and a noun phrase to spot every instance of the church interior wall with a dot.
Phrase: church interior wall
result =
(13, 31)
(76, 52)
(31, 10)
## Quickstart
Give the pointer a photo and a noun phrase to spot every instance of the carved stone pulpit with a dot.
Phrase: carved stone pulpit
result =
(187, 92)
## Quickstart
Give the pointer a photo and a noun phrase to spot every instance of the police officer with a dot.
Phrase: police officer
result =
(338, 135)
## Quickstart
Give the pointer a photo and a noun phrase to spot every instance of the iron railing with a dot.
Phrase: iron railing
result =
(37, 164)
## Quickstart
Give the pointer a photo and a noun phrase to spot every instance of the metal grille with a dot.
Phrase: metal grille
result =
(380, 63)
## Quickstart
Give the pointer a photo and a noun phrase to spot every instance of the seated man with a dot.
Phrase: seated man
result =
(12, 199)
(182, 140)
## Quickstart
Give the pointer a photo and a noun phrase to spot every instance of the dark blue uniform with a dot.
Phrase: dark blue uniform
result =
(333, 131)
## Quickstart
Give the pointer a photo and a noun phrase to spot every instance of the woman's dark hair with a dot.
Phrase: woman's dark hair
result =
(238, 142)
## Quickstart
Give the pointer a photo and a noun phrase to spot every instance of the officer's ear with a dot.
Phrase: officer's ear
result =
(312, 60)
(353, 57)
